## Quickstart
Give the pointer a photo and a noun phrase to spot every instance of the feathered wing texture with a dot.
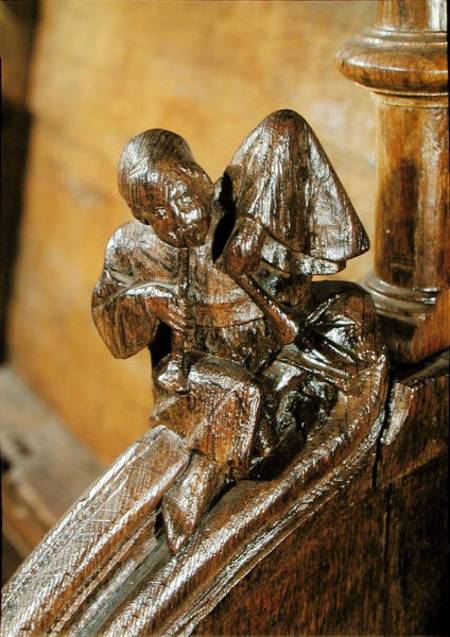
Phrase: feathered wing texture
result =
(281, 177)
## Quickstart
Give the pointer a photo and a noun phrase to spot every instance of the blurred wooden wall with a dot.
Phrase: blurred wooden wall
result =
(17, 21)
(103, 71)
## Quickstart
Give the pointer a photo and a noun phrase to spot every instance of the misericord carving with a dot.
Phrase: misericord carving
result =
(249, 354)
(270, 387)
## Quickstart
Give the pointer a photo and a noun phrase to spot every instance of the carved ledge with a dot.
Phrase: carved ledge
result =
(107, 567)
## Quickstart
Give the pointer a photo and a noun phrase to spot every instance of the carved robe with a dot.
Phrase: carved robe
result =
(282, 178)
(338, 340)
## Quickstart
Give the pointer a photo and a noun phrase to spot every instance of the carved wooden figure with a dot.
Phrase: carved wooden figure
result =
(276, 491)
(289, 222)
(269, 387)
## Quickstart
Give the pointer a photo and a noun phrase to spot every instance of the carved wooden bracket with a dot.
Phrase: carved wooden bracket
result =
(269, 387)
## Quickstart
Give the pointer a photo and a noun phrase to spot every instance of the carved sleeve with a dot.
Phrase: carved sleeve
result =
(129, 282)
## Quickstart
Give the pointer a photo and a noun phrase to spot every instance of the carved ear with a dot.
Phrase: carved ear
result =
(335, 230)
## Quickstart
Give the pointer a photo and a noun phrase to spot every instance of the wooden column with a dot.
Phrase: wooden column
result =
(402, 59)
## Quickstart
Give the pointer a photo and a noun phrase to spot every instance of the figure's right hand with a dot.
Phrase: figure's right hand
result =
(164, 302)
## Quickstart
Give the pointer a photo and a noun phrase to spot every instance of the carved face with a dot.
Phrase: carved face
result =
(165, 188)
(176, 207)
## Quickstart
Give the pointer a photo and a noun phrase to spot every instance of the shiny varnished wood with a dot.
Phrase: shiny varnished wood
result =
(375, 560)
(274, 492)
(270, 387)
(190, 66)
(227, 271)
(403, 60)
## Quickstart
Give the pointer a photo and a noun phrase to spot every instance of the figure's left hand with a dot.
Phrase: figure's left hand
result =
(286, 329)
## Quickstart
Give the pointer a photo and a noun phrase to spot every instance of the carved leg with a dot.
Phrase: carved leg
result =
(189, 498)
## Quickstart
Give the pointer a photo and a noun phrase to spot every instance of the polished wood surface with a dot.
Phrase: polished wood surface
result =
(403, 60)
(289, 483)
(372, 560)
(102, 72)
(270, 389)
(375, 560)
(216, 280)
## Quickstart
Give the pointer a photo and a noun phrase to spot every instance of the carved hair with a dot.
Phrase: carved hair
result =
(152, 156)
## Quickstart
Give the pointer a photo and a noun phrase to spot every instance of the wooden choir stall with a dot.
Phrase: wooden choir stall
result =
(293, 477)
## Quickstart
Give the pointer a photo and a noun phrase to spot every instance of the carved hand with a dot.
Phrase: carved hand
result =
(162, 300)
(285, 327)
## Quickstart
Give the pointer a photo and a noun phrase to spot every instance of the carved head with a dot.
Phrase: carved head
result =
(165, 188)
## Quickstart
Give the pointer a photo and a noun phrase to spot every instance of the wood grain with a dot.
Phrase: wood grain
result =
(267, 519)
(207, 70)
(375, 560)
(403, 59)
(255, 353)
(44, 468)
(273, 494)
(269, 400)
